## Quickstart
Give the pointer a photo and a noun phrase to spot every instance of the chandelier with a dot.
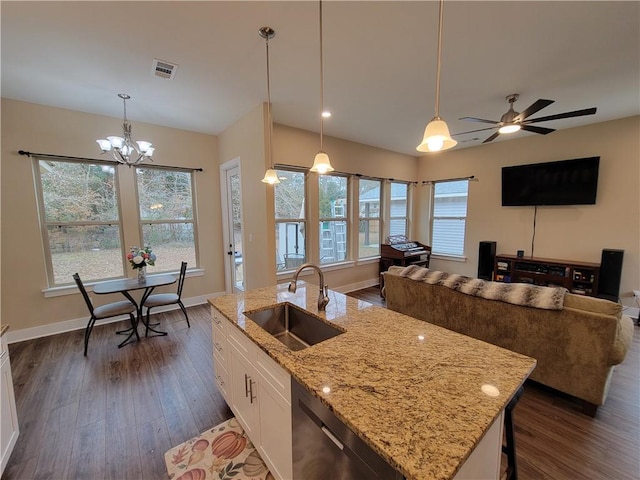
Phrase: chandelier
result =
(123, 149)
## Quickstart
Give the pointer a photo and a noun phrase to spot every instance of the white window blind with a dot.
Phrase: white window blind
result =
(449, 217)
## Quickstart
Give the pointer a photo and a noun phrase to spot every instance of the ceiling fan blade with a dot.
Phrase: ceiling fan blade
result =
(558, 116)
(474, 119)
(533, 108)
(492, 137)
(540, 130)
(474, 131)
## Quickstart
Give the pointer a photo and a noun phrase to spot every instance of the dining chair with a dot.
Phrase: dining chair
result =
(161, 299)
(105, 311)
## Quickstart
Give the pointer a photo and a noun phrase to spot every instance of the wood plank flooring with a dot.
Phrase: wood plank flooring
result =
(113, 414)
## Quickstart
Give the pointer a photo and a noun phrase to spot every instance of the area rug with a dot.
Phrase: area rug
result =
(222, 453)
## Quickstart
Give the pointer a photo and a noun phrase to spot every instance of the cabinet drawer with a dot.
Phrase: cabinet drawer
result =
(219, 322)
(277, 377)
(244, 345)
(220, 352)
(222, 380)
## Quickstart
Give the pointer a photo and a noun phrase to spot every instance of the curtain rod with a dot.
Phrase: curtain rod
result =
(110, 162)
(470, 177)
(304, 169)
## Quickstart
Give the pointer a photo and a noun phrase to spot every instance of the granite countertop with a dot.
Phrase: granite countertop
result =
(420, 395)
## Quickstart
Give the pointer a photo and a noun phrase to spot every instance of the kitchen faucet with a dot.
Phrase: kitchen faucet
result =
(323, 298)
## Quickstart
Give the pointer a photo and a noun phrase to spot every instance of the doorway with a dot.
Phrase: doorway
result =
(231, 191)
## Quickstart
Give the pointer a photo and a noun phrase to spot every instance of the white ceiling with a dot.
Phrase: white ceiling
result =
(380, 60)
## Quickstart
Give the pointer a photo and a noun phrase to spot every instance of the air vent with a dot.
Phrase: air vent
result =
(164, 69)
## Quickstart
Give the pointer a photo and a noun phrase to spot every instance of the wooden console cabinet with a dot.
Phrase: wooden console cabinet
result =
(577, 277)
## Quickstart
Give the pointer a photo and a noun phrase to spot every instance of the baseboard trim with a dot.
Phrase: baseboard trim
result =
(15, 336)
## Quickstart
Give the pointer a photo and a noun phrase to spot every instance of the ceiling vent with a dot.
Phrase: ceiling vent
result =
(164, 69)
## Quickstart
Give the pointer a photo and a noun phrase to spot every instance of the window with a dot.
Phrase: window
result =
(398, 220)
(369, 226)
(333, 214)
(291, 224)
(80, 218)
(449, 217)
(168, 225)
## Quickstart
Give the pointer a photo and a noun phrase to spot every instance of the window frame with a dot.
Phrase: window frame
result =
(304, 221)
(194, 208)
(406, 217)
(44, 224)
(346, 219)
(434, 217)
(361, 218)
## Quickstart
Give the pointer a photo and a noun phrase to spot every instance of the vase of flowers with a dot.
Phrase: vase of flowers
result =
(139, 258)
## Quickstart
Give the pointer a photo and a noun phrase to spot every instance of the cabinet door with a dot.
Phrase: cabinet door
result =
(8, 419)
(275, 446)
(244, 391)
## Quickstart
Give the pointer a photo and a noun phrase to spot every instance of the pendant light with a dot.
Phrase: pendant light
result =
(270, 177)
(436, 135)
(321, 163)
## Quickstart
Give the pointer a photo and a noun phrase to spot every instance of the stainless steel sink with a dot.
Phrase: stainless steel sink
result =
(293, 326)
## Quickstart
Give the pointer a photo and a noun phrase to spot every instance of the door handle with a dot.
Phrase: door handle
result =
(332, 437)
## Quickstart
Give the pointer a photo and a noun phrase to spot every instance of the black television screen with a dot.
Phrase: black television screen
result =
(567, 182)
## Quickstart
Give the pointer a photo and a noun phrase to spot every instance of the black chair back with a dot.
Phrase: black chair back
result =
(183, 272)
(85, 295)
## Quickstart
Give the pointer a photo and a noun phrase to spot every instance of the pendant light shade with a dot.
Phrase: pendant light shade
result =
(436, 135)
(270, 177)
(321, 163)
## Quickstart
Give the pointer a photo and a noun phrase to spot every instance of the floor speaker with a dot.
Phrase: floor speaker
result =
(610, 274)
(486, 260)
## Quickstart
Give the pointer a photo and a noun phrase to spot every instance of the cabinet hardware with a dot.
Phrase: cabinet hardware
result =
(251, 396)
(220, 381)
(217, 320)
(218, 347)
(246, 385)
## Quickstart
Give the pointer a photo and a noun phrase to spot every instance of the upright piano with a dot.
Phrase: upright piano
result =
(400, 251)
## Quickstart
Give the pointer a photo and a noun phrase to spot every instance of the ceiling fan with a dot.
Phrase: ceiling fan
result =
(513, 121)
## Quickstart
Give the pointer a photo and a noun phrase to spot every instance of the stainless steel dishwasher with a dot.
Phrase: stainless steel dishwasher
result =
(325, 448)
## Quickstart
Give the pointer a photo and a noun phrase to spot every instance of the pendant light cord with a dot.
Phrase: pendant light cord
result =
(321, 82)
(269, 106)
(439, 59)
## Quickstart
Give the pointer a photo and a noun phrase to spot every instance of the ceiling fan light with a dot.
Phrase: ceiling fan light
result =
(436, 137)
(271, 177)
(510, 128)
(321, 163)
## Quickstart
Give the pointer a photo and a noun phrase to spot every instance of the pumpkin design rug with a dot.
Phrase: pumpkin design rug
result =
(222, 453)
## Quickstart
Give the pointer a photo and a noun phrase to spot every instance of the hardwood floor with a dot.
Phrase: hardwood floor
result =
(113, 414)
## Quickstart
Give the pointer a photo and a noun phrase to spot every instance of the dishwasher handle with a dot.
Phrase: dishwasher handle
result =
(332, 437)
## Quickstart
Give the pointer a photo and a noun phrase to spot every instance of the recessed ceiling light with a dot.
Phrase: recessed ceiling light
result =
(326, 114)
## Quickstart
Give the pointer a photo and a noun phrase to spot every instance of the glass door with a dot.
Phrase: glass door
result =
(232, 211)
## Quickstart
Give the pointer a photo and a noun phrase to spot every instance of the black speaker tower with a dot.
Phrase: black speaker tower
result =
(610, 274)
(486, 260)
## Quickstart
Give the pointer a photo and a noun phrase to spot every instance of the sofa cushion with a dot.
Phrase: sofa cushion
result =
(592, 304)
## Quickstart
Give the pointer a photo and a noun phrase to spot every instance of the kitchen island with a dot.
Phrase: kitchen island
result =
(420, 396)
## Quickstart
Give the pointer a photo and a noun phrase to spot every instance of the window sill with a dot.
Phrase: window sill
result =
(451, 258)
(73, 289)
(325, 268)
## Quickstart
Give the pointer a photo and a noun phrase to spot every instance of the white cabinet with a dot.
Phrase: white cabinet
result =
(484, 461)
(8, 418)
(258, 391)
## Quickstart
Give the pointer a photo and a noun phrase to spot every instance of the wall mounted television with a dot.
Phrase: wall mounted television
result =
(565, 182)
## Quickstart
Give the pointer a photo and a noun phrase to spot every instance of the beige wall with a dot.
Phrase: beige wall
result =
(43, 129)
(563, 232)
(246, 140)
